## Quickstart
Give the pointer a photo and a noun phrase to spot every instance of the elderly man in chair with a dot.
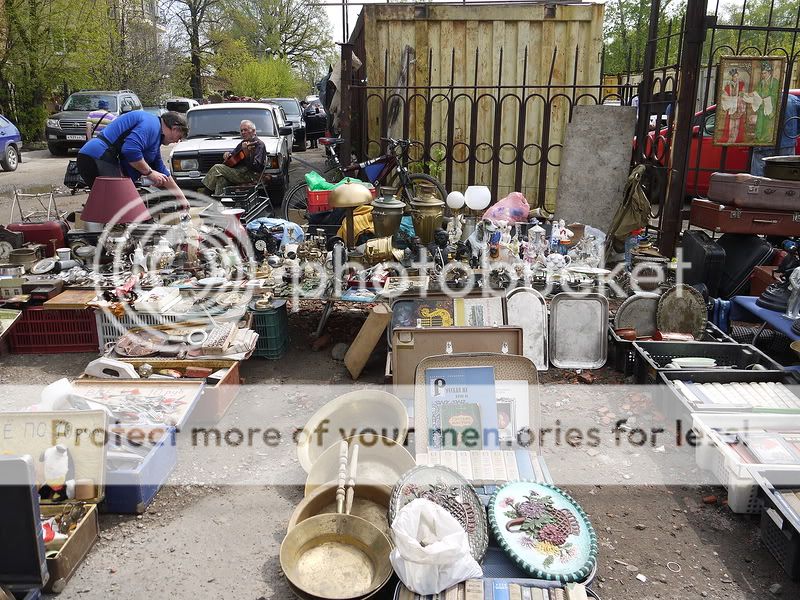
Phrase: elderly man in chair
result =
(242, 166)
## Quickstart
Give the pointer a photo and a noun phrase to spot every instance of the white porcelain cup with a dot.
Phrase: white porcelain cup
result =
(64, 253)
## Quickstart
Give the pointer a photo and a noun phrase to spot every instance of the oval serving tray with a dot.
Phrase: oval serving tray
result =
(544, 531)
(638, 312)
(451, 491)
(682, 309)
(527, 308)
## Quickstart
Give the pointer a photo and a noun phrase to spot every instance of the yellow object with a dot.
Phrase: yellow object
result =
(362, 222)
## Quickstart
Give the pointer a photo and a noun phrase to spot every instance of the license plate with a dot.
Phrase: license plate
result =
(76, 137)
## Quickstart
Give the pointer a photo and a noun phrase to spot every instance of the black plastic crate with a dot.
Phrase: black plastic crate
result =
(653, 357)
(672, 405)
(780, 526)
(622, 354)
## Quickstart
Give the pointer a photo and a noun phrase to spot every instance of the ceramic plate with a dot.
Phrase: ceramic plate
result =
(588, 270)
(44, 266)
(212, 281)
(544, 531)
(682, 309)
(452, 492)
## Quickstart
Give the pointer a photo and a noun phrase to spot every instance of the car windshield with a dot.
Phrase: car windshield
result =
(291, 107)
(153, 110)
(90, 102)
(216, 121)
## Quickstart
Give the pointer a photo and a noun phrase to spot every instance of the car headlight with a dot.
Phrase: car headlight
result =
(53, 123)
(185, 164)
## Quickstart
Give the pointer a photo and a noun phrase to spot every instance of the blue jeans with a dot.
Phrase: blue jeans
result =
(759, 154)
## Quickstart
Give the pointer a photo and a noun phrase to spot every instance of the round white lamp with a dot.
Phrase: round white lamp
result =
(477, 197)
(456, 200)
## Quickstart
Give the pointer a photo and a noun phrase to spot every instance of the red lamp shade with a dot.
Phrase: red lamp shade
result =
(114, 199)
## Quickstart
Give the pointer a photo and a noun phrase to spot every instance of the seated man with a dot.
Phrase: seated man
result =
(242, 166)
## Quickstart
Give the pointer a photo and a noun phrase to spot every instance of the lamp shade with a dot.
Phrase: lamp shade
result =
(455, 200)
(114, 200)
(478, 197)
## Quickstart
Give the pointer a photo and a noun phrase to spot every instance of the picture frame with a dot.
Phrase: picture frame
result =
(749, 97)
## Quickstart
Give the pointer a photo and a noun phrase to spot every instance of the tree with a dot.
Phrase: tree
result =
(197, 18)
(264, 77)
(289, 30)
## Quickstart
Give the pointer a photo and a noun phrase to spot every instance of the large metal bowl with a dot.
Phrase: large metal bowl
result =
(336, 557)
(370, 502)
(352, 413)
(380, 460)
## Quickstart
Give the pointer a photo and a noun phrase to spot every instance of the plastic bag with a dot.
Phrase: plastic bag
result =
(317, 183)
(514, 208)
(431, 550)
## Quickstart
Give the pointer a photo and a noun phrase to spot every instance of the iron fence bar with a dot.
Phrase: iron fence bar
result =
(426, 153)
(451, 123)
(693, 39)
(384, 104)
(643, 119)
(406, 123)
(544, 161)
(498, 108)
(473, 125)
(765, 28)
(521, 124)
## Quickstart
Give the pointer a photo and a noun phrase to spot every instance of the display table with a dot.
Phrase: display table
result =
(744, 308)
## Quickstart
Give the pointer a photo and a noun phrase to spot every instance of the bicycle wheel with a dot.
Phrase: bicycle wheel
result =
(415, 179)
(295, 204)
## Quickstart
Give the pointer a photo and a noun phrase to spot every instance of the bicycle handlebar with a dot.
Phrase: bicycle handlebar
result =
(394, 142)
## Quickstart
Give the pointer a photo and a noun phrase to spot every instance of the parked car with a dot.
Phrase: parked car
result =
(181, 105)
(67, 128)
(155, 110)
(698, 175)
(11, 142)
(295, 118)
(214, 130)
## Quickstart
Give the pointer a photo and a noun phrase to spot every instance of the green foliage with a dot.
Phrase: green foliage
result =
(434, 166)
(259, 78)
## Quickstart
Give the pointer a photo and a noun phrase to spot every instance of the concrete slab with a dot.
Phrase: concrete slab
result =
(595, 164)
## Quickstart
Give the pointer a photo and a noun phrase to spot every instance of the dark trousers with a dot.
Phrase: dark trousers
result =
(92, 168)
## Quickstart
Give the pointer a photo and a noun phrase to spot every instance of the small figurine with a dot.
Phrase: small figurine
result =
(59, 474)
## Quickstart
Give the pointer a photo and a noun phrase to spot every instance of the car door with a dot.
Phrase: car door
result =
(7, 133)
(705, 157)
(280, 118)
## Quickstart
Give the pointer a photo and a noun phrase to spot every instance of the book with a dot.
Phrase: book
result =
(459, 386)
(461, 422)
(473, 589)
(514, 591)
(500, 590)
(479, 312)
(513, 410)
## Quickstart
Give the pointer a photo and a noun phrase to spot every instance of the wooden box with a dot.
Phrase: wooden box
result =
(84, 435)
(763, 276)
(216, 398)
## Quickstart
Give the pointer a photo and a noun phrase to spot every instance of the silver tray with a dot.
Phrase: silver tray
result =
(682, 309)
(638, 312)
(453, 493)
(527, 308)
(578, 325)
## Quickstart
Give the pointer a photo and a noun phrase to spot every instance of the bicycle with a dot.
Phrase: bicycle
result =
(390, 169)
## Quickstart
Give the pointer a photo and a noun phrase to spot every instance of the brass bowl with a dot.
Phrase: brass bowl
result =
(380, 460)
(336, 557)
(370, 502)
(356, 412)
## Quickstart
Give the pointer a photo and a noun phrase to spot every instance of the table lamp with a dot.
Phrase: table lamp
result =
(477, 198)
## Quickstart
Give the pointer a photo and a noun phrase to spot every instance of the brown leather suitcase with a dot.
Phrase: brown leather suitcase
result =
(719, 218)
(748, 191)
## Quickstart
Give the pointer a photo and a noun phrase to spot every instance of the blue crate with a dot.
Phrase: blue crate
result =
(131, 491)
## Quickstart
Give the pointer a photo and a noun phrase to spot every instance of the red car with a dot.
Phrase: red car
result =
(699, 174)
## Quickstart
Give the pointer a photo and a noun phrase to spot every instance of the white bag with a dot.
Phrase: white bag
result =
(431, 550)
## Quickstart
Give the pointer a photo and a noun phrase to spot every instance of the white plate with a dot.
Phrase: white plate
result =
(212, 281)
(589, 270)
(76, 137)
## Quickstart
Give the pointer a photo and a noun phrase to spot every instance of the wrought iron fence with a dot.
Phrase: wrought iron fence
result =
(504, 134)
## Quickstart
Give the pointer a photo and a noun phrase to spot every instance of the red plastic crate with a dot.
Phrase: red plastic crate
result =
(45, 331)
(318, 201)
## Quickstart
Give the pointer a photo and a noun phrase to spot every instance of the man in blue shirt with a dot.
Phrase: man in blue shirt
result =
(131, 145)
(787, 137)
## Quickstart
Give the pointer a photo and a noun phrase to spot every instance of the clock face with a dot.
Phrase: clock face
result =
(5, 250)
(261, 245)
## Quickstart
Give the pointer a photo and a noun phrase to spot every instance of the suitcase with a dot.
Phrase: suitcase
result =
(749, 191)
(50, 233)
(743, 253)
(729, 219)
(705, 259)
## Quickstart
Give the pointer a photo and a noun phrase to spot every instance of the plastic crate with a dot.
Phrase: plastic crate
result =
(653, 357)
(111, 328)
(46, 331)
(715, 455)
(622, 354)
(318, 201)
(272, 327)
(780, 528)
(675, 406)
